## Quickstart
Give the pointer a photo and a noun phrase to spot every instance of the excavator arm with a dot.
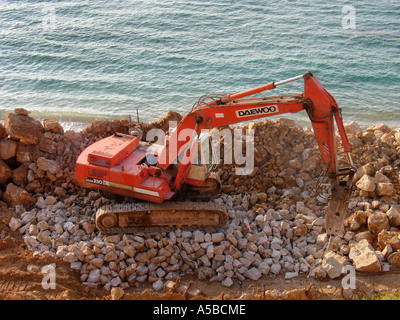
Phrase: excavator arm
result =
(322, 110)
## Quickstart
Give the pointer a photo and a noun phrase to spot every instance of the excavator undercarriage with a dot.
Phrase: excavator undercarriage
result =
(163, 217)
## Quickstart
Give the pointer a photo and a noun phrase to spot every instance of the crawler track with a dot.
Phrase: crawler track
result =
(132, 217)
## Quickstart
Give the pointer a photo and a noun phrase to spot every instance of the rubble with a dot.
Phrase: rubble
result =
(276, 214)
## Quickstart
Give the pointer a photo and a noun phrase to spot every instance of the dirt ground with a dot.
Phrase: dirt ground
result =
(21, 279)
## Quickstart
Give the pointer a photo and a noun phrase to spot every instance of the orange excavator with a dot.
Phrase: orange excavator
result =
(122, 164)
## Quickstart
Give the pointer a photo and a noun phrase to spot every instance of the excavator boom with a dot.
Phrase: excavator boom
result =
(322, 110)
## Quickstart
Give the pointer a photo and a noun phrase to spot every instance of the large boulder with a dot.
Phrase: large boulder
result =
(366, 183)
(17, 196)
(377, 222)
(21, 127)
(363, 256)
(52, 126)
(352, 127)
(164, 122)
(104, 128)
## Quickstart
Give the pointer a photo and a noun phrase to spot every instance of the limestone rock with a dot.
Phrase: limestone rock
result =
(47, 145)
(379, 127)
(163, 122)
(253, 274)
(17, 196)
(290, 275)
(246, 226)
(389, 237)
(198, 236)
(88, 227)
(356, 220)
(71, 135)
(368, 235)
(377, 222)
(385, 189)
(44, 238)
(50, 200)
(158, 285)
(23, 128)
(333, 264)
(394, 215)
(52, 126)
(264, 267)
(5, 173)
(217, 237)
(394, 259)
(15, 223)
(3, 132)
(48, 165)
(117, 293)
(20, 174)
(22, 111)
(322, 239)
(352, 127)
(8, 149)
(262, 196)
(30, 241)
(380, 177)
(366, 183)
(27, 153)
(70, 227)
(228, 282)
(311, 164)
(364, 257)
(94, 276)
(97, 262)
(70, 257)
(276, 268)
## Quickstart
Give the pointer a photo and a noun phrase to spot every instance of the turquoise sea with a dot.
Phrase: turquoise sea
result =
(79, 60)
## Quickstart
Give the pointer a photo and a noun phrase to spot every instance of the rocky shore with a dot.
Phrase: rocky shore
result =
(276, 215)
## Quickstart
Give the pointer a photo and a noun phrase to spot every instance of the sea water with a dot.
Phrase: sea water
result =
(79, 60)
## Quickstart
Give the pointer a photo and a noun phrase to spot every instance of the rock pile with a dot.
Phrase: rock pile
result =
(276, 217)
(40, 158)
(259, 242)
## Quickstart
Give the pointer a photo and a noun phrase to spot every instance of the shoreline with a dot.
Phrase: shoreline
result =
(78, 121)
(78, 126)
